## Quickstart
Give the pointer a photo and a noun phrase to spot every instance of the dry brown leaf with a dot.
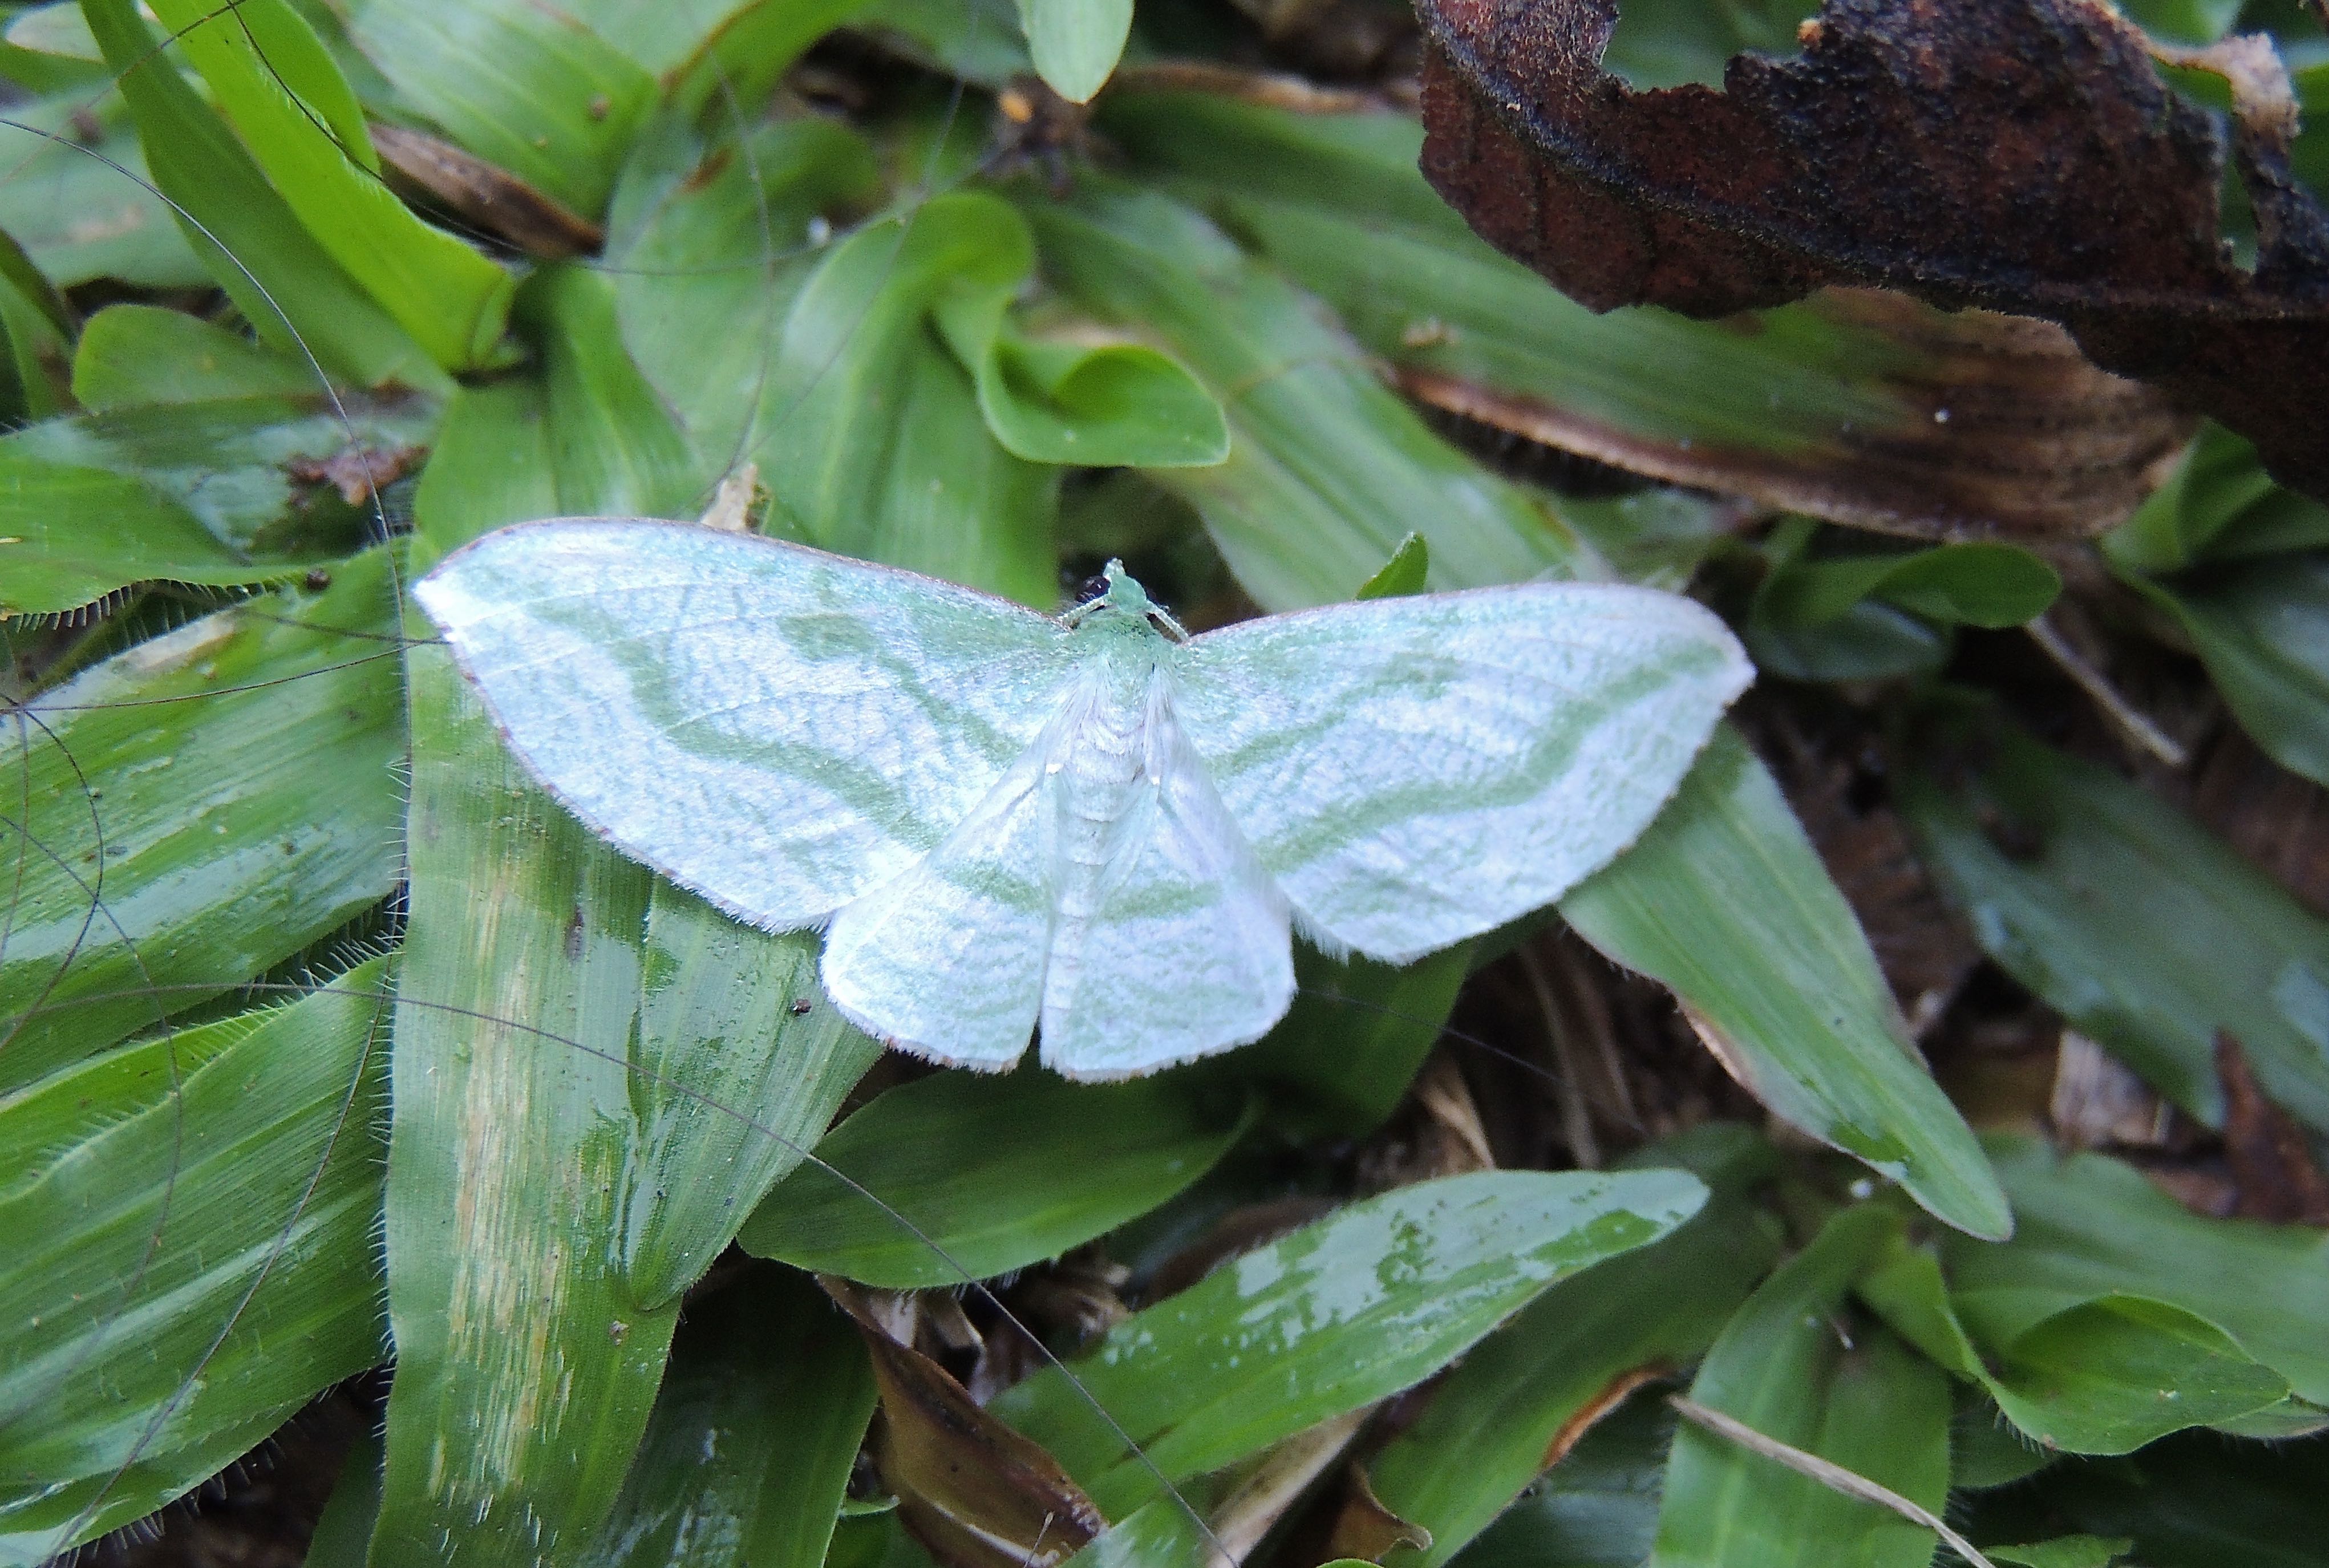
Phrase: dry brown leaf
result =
(2017, 156)
(974, 1493)
(2098, 1103)
(2008, 433)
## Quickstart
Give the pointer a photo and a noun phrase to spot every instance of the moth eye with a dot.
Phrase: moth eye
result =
(1093, 587)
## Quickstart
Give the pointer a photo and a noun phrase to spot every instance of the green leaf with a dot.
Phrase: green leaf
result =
(2118, 1359)
(2105, 893)
(959, 1177)
(279, 276)
(131, 355)
(707, 243)
(1973, 584)
(1495, 1421)
(979, 41)
(2188, 1502)
(1160, 1533)
(1064, 403)
(1075, 43)
(661, 37)
(532, 91)
(37, 326)
(2105, 1375)
(2064, 1551)
(736, 53)
(869, 435)
(1724, 900)
(1402, 575)
(191, 1223)
(346, 1525)
(82, 217)
(1792, 1367)
(1328, 471)
(614, 449)
(1339, 1062)
(498, 1441)
(2093, 1227)
(729, 1100)
(560, 1012)
(1597, 1508)
(196, 809)
(279, 86)
(1868, 642)
(235, 463)
(2262, 628)
(1858, 618)
(1358, 1306)
(2218, 505)
(75, 535)
(747, 1456)
(48, 49)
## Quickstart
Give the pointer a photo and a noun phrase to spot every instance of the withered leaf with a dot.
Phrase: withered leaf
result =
(486, 194)
(2006, 431)
(2019, 156)
(974, 1493)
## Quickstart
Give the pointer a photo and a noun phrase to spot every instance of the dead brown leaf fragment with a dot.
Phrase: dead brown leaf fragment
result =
(974, 1493)
(2272, 1165)
(358, 473)
(2018, 156)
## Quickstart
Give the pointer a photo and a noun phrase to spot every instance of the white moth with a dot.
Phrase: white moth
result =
(1095, 822)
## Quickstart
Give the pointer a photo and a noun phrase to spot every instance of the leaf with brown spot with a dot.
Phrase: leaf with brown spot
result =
(486, 195)
(357, 472)
(2019, 156)
(973, 1492)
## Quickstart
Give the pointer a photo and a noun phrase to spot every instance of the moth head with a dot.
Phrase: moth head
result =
(1116, 591)
(1124, 594)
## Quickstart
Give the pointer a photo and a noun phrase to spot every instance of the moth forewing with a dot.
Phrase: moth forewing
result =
(1418, 771)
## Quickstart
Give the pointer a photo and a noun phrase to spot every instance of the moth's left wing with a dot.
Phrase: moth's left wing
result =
(947, 959)
(1418, 771)
(776, 728)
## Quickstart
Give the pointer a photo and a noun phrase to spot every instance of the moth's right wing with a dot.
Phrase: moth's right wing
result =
(1418, 771)
(776, 728)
